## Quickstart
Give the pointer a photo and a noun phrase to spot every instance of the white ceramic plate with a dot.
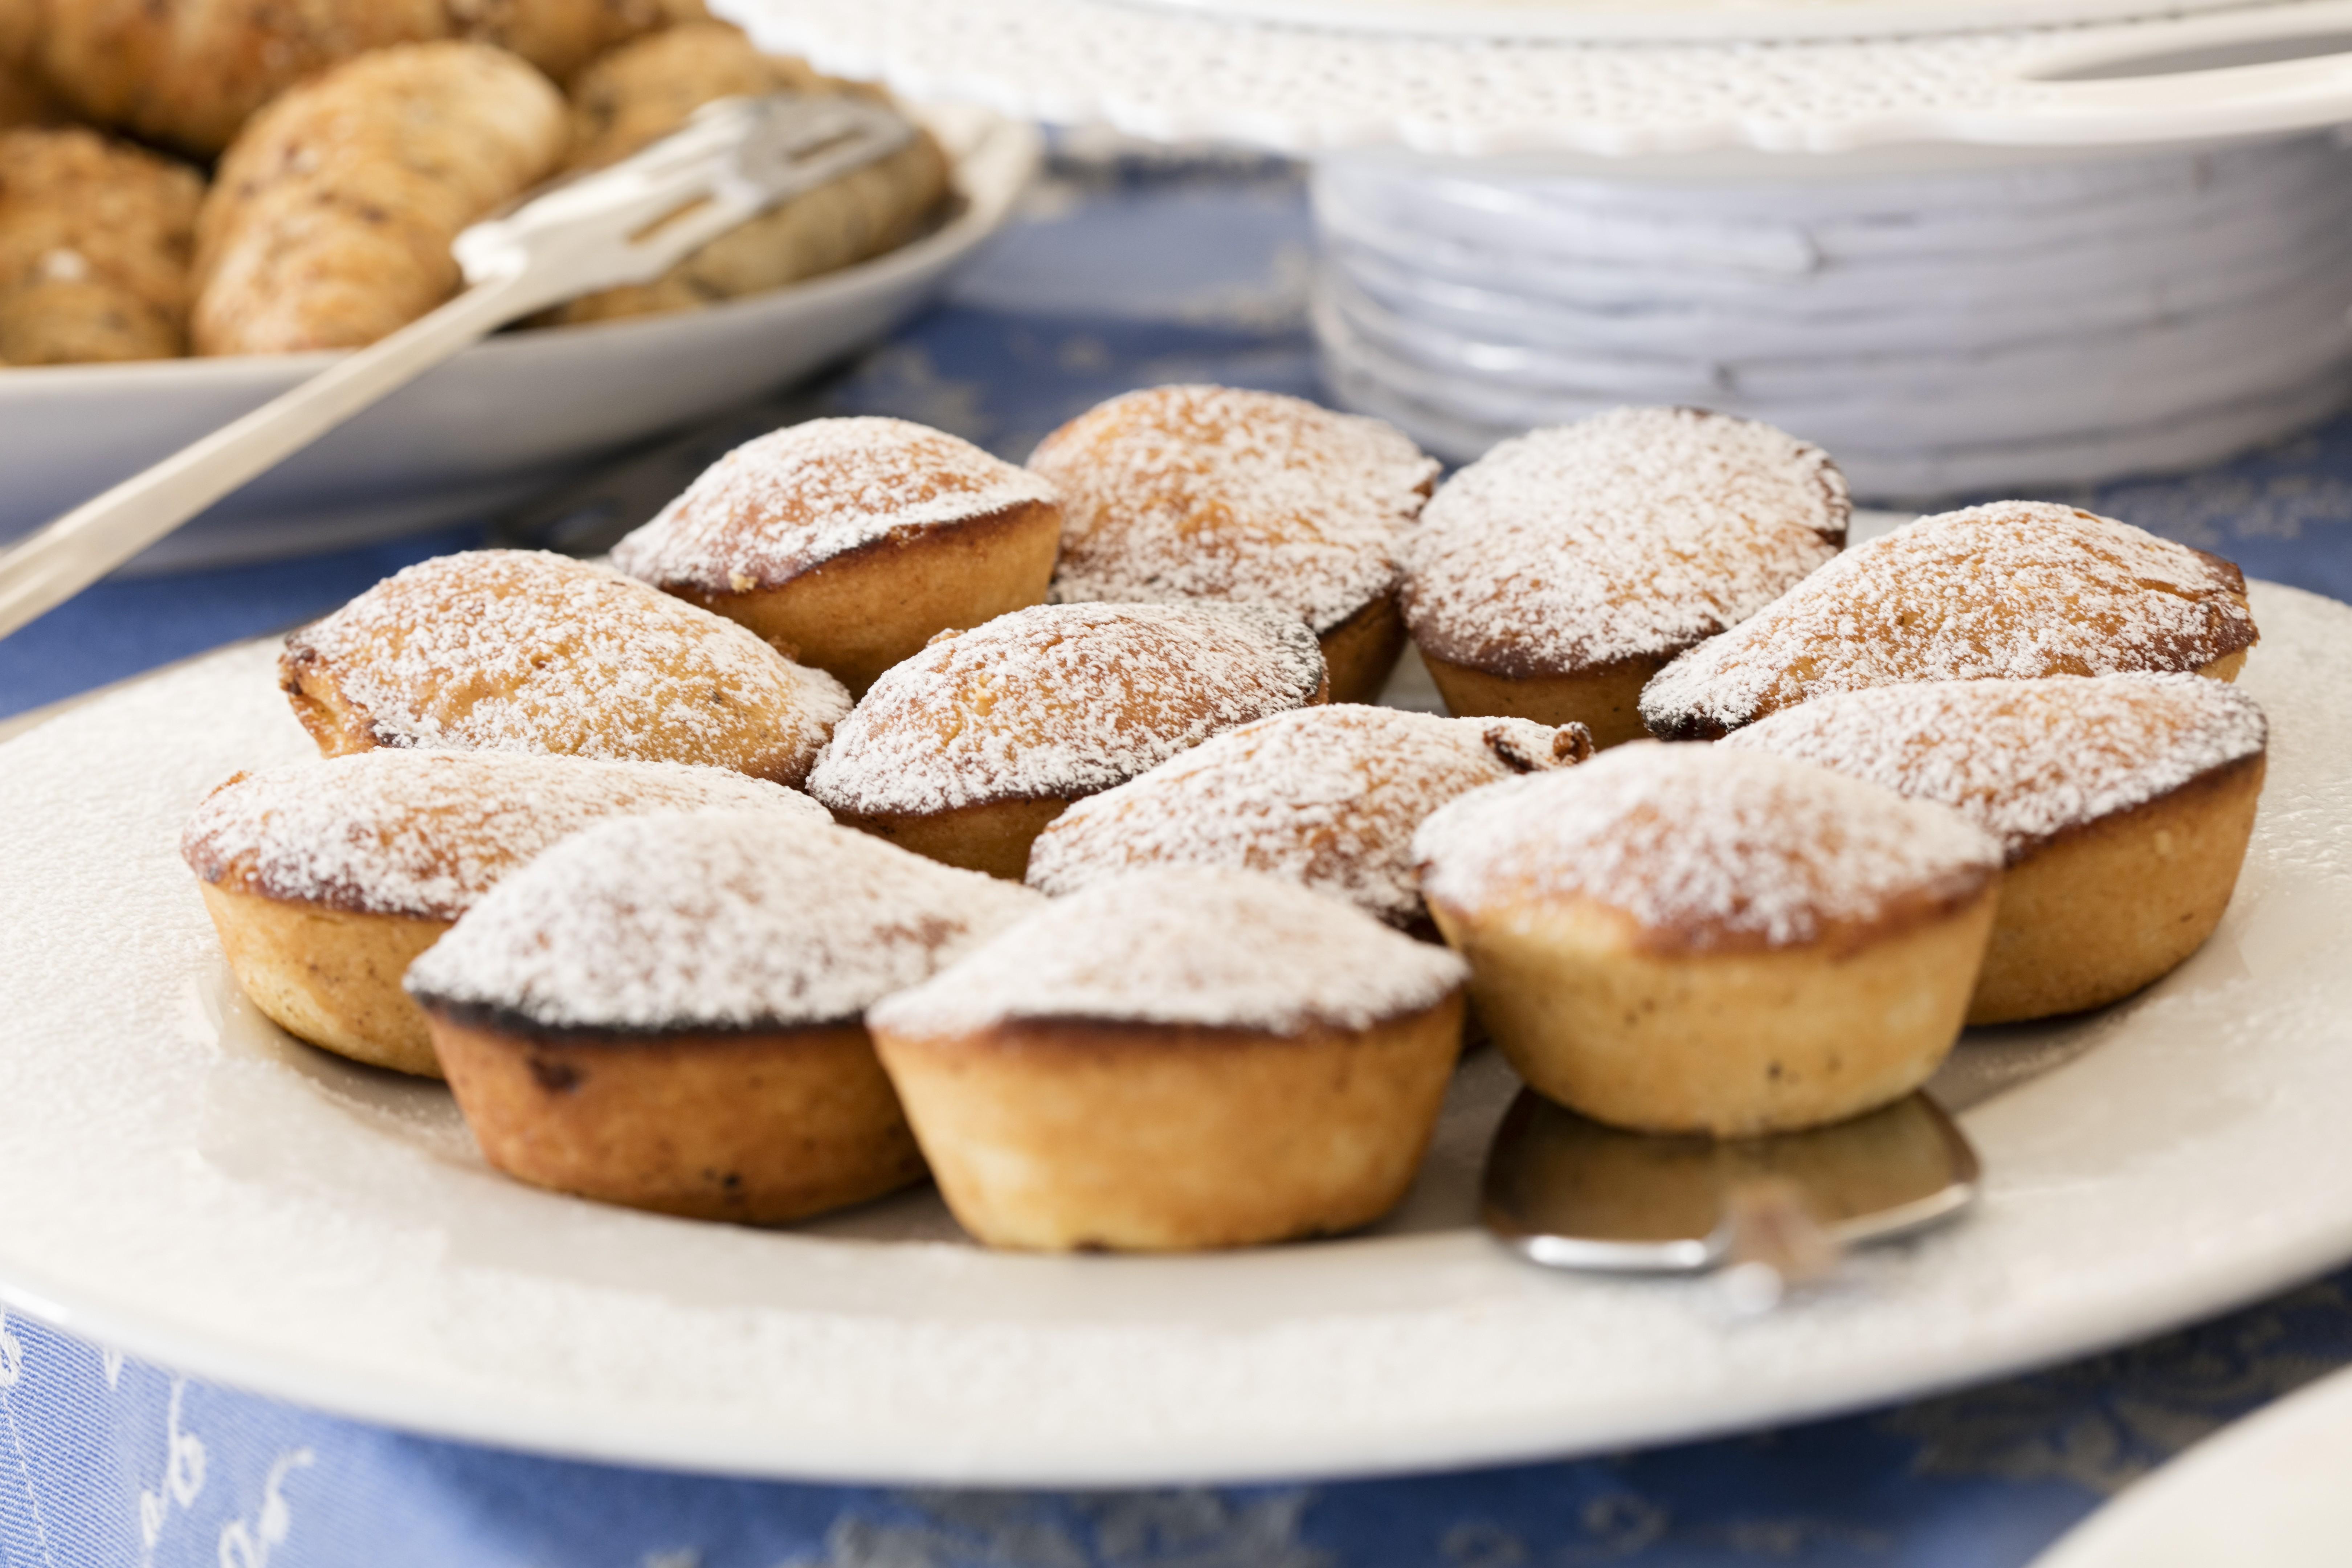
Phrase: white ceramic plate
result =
(181, 1181)
(2268, 1493)
(1682, 19)
(500, 421)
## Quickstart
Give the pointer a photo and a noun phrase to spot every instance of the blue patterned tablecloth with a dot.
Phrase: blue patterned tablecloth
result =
(1116, 277)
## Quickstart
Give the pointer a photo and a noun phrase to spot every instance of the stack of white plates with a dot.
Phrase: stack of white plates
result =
(2041, 325)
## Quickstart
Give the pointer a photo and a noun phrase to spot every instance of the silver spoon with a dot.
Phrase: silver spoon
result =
(1568, 1192)
(626, 224)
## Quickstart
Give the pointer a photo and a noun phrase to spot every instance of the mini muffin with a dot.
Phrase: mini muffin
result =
(2012, 591)
(1691, 939)
(2123, 804)
(853, 541)
(1207, 492)
(520, 650)
(1186, 1057)
(1326, 796)
(663, 1012)
(1552, 578)
(965, 751)
(326, 878)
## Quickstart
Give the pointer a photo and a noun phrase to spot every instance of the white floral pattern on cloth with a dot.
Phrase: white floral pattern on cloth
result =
(280, 1487)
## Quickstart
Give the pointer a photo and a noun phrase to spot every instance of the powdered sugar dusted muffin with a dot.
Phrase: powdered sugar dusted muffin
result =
(1695, 938)
(1554, 576)
(853, 541)
(520, 650)
(1326, 796)
(2123, 804)
(666, 1011)
(2012, 591)
(1211, 493)
(967, 750)
(325, 880)
(1185, 1058)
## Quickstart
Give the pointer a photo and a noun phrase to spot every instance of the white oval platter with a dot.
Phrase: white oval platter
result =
(1705, 105)
(2267, 1492)
(1644, 20)
(501, 421)
(187, 1184)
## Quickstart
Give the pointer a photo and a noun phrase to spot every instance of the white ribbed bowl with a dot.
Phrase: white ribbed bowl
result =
(2051, 324)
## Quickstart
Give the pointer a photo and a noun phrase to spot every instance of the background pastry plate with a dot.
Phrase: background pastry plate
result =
(501, 421)
(189, 1185)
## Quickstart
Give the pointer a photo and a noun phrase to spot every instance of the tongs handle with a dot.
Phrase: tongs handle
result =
(62, 558)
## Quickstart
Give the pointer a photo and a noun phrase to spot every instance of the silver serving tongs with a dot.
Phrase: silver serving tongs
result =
(623, 225)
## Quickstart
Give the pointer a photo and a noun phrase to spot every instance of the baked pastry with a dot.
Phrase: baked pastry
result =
(330, 221)
(2123, 804)
(24, 99)
(1554, 576)
(94, 244)
(520, 650)
(325, 880)
(2013, 591)
(664, 1011)
(563, 36)
(1694, 939)
(965, 751)
(191, 72)
(1326, 796)
(853, 541)
(643, 90)
(1185, 1058)
(1181, 493)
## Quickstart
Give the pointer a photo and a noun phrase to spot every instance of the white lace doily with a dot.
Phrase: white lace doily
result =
(1177, 76)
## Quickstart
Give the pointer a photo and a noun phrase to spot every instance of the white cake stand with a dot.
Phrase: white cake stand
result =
(2065, 271)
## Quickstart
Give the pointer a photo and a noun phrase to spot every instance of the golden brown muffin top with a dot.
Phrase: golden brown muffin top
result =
(519, 650)
(2012, 591)
(1629, 535)
(1060, 701)
(1187, 947)
(641, 91)
(2025, 760)
(796, 498)
(1706, 849)
(1326, 796)
(74, 203)
(707, 921)
(1210, 492)
(428, 833)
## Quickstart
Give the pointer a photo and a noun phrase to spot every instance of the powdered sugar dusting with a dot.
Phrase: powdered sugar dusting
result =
(2014, 591)
(428, 833)
(1211, 493)
(724, 920)
(796, 498)
(522, 650)
(1326, 796)
(1186, 945)
(1704, 847)
(1061, 701)
(1628, 535)
(2025, 760)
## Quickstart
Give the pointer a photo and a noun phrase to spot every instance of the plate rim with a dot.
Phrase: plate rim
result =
(1683, 21)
